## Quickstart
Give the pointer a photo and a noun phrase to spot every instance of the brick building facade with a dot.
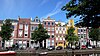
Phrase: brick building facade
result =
(49, 25)
(24, 27)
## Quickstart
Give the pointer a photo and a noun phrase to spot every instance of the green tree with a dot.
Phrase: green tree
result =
(40, 34)
(87, 10)
(71, 37)
(94, 34)
(6, 31)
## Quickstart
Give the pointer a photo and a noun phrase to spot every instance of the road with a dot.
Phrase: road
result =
(87, 51)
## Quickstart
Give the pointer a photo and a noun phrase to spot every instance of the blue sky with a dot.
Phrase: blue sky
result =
(32, 8)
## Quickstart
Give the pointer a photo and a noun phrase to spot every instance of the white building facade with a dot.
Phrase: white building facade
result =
(60, 31)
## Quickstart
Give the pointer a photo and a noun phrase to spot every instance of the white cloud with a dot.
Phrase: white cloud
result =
(43, 2)
(56, 10)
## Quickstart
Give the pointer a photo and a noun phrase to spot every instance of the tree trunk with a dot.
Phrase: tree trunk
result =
(3, 43)
(71, 44)
(96, 43)
(40, 42)
(44, 43)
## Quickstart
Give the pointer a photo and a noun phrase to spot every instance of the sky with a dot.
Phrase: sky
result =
(32, 8)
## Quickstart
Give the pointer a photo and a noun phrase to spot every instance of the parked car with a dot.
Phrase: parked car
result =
(59, 48)
(22, 46)
(93, 46)
(73, 46)
(89, 47)
(68, 47)
(51, 47)
(77, 47)
(83, 47)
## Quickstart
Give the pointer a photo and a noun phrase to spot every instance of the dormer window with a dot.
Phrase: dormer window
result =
(37, 20)
(49, 23)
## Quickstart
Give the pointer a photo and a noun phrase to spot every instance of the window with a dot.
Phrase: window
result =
(48, 28)
(56, 31)
(44, 27)
(63, 32)
(63, 28)
(20, 33)
(37, 20)
(48, 33)
(52, 29)
(52, 36)
(59, 28)
(60, 35)
(81, 36)
(79, 30)
(78, 35)
(48, 23)
(26, 27)
(36, 27)
(84, 30)
(48, 42)
(32, 28)
(25, 34)
(85, 35)
(60, 32)
(52, 42)
(52, 33)
(56, 38)
(60, 38)
(63, 38)
(44, 23)
(20, 26)
(53, 23)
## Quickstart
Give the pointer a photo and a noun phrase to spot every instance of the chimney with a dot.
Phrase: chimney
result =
(18, 17)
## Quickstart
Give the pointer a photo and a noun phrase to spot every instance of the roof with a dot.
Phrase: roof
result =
(36, 19)
(48, 19)
(1, 21)
(14, 20)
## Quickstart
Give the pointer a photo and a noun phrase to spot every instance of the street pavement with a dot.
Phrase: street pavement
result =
(68, 50)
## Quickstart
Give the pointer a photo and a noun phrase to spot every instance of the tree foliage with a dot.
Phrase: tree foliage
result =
(87, 10)
(71, 37)
(94, 34)
(40, 34)
(6, 30)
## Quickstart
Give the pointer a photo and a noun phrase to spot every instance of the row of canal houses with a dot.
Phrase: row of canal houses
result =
(24, 27)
